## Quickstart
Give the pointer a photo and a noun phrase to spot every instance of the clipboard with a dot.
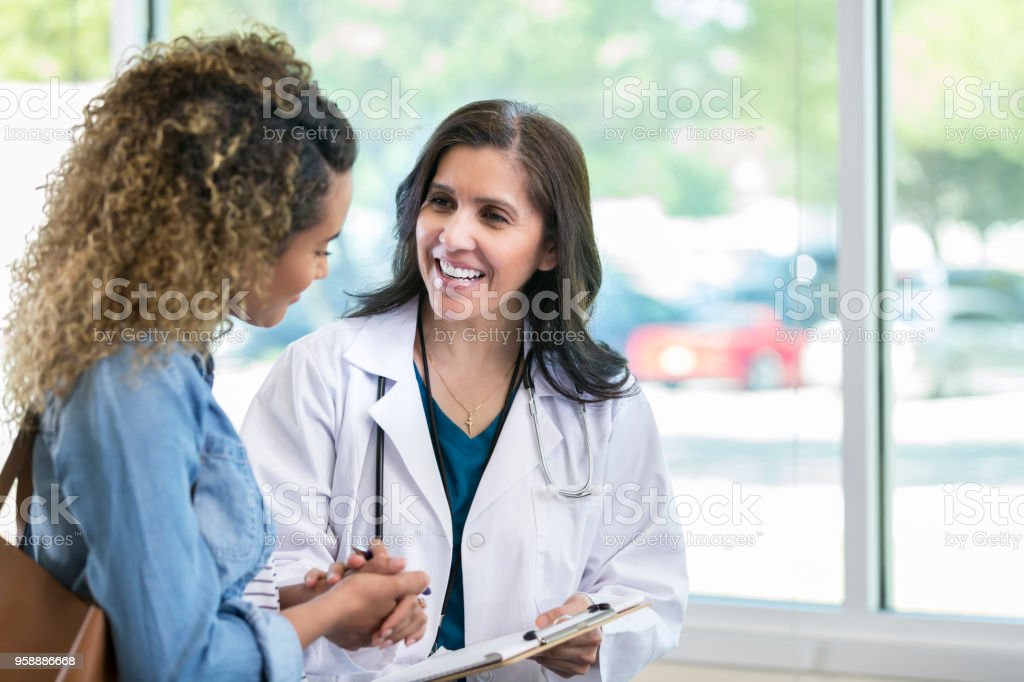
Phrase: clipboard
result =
(509, 649)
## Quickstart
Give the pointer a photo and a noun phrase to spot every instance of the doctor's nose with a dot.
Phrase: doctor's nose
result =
(458, 232)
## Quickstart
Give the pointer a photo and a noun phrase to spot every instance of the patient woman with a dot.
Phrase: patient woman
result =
(196, 190)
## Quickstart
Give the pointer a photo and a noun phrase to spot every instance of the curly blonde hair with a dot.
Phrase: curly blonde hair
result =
(186, 174)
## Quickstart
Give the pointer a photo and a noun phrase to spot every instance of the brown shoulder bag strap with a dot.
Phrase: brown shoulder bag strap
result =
(19, 466)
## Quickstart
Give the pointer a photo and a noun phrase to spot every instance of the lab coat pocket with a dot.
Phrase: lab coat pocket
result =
(564, 529)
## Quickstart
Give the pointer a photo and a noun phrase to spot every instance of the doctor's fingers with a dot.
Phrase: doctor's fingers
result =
(570, 663)
(381, 561)
(334, 573)
(384, 565)
(577, 603)
(574, 657)
(564, 668)
(582, 649)
(410, 583)
(407, 622)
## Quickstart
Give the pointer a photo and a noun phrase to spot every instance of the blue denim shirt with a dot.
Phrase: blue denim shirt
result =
(146, 503)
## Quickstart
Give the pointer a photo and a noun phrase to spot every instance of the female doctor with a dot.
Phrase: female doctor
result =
(518, 461)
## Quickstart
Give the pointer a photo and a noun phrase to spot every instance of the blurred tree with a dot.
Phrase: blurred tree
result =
(68, 39)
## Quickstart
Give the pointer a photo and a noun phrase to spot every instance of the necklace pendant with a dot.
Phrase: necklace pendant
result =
(469, 424)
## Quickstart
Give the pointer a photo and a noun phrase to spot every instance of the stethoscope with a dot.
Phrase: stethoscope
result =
(572, 493)
(583, 490)
(527, 379)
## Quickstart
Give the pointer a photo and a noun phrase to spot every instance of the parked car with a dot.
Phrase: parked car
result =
(739, 342)
(973, 343)
(975, 346)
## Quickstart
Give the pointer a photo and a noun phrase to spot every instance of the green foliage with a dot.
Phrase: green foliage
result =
(563, 54)
(68, 39)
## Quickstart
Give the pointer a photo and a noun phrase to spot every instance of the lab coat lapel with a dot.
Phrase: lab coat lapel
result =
(384, 348)
(516, 453)
(400, 414)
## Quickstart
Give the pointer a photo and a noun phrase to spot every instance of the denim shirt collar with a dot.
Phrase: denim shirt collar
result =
(205, 367)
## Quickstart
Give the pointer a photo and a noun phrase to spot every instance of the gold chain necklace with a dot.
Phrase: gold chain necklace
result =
(469, 412)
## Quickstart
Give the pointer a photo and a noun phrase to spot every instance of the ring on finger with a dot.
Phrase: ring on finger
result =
(422, 602)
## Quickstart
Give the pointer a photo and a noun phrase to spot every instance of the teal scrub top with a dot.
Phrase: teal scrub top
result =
(464, 459)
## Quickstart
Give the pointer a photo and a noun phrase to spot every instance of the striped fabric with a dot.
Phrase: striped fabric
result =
(262, 590)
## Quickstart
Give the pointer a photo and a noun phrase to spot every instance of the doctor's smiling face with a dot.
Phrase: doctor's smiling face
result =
(304, 258)
(478, 235)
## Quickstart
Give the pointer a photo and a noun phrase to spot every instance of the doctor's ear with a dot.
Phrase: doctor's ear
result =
(549, 258)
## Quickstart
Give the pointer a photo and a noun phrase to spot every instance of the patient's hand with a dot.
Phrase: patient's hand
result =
(405, 621)
(318, 581)
(379, 610)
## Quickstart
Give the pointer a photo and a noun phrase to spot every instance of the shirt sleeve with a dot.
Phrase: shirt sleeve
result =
(653, 567)
(130, 451)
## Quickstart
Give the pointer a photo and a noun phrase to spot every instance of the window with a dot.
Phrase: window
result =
(51, 64)
(956, 473)
(713, 173)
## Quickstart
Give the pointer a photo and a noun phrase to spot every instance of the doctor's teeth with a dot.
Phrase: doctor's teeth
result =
(462, 273)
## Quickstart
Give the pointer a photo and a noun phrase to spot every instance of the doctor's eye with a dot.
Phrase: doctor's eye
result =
(495, 217)
(322, 254)
(440, 201)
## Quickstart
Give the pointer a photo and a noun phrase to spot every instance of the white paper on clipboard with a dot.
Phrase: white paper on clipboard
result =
(517, 646)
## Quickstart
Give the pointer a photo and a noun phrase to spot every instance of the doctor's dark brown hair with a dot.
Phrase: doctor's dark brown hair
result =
(559, 189)
(186, 172)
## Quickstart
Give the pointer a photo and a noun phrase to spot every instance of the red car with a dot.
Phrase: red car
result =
(743, 343)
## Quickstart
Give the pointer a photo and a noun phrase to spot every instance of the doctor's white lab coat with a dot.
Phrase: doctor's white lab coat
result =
(311, 435)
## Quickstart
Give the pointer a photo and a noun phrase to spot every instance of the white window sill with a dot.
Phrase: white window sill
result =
(832, 641)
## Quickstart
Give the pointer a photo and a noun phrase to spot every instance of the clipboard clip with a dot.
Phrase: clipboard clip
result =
(536, 634)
